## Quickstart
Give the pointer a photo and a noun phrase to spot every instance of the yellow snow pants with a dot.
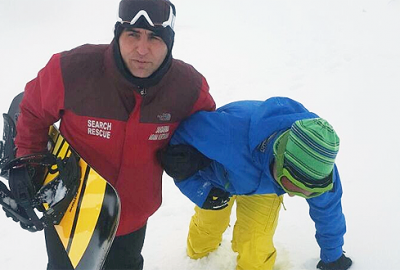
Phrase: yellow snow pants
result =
(256, 221)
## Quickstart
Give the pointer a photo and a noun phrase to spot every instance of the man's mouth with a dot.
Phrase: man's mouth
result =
(140, 61)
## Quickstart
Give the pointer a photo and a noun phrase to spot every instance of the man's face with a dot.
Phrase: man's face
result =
(142, 51)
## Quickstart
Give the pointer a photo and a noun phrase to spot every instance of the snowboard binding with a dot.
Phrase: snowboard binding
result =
(27, 192)
(26, 174)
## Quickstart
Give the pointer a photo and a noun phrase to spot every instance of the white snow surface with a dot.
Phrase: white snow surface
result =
(340, 58)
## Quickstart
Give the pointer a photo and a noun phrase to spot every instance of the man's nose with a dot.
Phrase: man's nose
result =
(143, 46)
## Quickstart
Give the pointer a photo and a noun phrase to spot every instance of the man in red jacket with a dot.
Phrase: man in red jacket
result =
(118, 104)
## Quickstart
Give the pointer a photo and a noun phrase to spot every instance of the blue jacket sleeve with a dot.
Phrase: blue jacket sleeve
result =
(330, 224)
(195, 188)
(211, 134)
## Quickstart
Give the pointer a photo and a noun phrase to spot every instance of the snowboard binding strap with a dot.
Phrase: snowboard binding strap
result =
(26, 196)
(26, 176)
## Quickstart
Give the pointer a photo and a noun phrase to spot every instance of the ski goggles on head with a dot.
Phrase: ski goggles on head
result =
(156, 13)
(283, 171)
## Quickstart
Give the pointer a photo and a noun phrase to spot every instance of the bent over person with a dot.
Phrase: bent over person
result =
(253, 152)
(118, 104)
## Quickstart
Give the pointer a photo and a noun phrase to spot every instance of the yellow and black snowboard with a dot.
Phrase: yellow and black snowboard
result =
(87, 227)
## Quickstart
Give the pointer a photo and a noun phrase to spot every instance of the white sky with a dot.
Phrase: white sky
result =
(341, 59)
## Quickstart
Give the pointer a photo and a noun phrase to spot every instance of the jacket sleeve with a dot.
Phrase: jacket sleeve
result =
(196, 188)
(40, 107)
(212, 133)
(207, 132)
(330, 224)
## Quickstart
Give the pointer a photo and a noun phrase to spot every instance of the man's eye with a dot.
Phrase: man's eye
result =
(133, 34)
(155, 37)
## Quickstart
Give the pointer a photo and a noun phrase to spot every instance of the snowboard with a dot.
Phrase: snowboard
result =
(88, 227)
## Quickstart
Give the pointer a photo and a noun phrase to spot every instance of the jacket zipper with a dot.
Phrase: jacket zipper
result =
(142, 91)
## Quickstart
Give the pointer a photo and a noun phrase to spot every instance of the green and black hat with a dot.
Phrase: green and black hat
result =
(306, 154)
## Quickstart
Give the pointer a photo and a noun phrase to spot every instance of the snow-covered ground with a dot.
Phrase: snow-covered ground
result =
(339, 58)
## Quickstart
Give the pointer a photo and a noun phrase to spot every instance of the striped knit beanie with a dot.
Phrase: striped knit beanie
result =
(308, 151)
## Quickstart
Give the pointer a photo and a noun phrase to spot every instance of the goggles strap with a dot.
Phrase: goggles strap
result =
(171, 20)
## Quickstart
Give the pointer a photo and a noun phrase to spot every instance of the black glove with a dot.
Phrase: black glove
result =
(217, 199)
(342, 263)
(182, 161)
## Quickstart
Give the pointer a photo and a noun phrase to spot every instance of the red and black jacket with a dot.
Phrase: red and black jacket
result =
(114, 126)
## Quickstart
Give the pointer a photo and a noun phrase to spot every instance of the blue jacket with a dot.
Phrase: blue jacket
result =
(238, 137)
